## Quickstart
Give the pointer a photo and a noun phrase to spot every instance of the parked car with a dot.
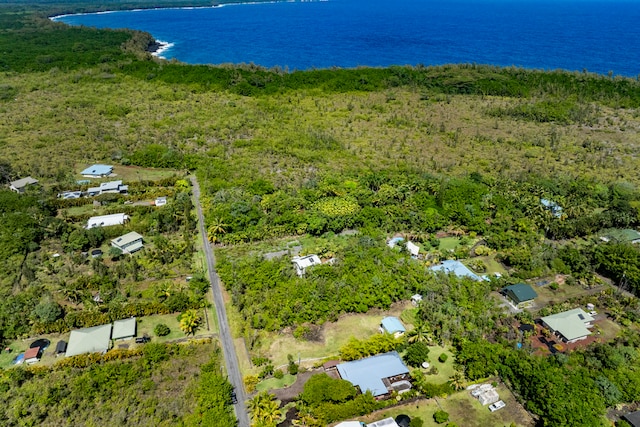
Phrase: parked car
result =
(234, 398)
(143, 340)
(498, 405)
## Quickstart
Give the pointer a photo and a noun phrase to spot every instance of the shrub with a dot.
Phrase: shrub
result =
(416, 422)
(417, 353)
(278, 374)
(441, 417)
(554, 286)
(161, 330)
(443, 357)
(250, 383)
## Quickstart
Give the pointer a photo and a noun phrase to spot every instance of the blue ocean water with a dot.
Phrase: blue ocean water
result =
(595, 35)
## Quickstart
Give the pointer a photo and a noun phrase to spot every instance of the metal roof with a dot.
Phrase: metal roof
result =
(368, 373)
(392, 325)
(97, 170)
(571, 324)
(520, 292)
(107, 220)
(21, 183)
(455, 267)
(89, 340)
(125, 328)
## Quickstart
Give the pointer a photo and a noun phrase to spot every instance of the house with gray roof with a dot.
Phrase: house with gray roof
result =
(89, 340)
(114, 187)
(379, 374)
(520, 295)
(21, 185)
(128, 243)
(570, 326)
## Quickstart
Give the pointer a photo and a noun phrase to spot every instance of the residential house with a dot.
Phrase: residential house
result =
(66, 195)
(113, 187)
(457, 268)
(621, 236)
(128, 243)
(379, 374)
(89, 340)
(570, 326)
(97, 171)
(123, 329)
(21, 185)
(107, 220)
(392, 325)
(351, 424)
(302, 263)
(520, 295)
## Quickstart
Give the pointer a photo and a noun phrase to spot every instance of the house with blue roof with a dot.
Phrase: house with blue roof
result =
(97, 171)
(392, 325)
(457, 268)
(379, 374)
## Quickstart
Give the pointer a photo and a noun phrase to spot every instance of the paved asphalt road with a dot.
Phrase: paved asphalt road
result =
(229, 351)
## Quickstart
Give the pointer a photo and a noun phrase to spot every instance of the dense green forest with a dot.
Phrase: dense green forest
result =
(460, 152)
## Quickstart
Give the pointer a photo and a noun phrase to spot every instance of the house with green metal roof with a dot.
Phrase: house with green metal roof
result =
(570, 326)
(89, 340)
(627, 235)
(520, 295)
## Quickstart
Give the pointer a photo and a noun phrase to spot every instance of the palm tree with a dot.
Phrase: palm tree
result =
(190, 321)
(456, 381)
(264, 409)
(420, 333)
(215, 229)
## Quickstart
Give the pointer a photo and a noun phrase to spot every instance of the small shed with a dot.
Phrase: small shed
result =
(392, 325)
(32, 355)
(61, 347)
(416, 299)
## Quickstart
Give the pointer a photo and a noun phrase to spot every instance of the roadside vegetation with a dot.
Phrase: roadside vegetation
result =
(457, 159)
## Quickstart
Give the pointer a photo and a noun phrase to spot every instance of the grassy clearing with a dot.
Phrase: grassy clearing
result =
(20, 346)
(335, 335)
(273, 383)
(546, 295)
(445, 370)
(608, 329)
(148, 323)
(493, 266)
(449, 243)
(464, 410)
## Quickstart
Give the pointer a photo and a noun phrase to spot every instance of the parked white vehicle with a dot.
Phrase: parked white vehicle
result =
(498, 405)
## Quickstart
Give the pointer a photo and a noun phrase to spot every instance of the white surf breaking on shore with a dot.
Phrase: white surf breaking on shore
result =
(162, 48)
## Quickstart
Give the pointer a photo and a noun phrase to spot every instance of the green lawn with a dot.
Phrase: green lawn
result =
(445, 370)
(464, 410)
(449, 243)
(493, 266)
(335, 335)
(273, 383)
(147, 324)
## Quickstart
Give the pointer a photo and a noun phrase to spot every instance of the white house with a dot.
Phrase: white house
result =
(128, 243)
(302, 263)
(21, 185)
(107, 220)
